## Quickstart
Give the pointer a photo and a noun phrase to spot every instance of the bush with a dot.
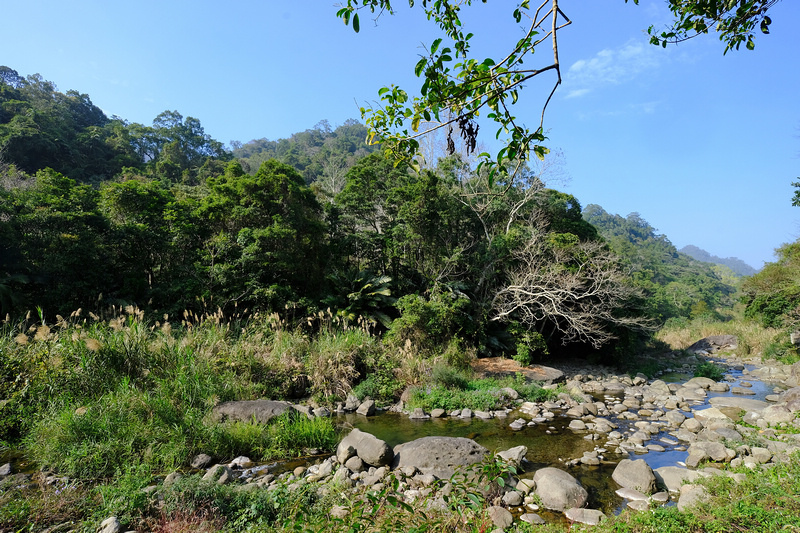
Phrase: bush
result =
(709, 370)
(449, 377)
(429, 324)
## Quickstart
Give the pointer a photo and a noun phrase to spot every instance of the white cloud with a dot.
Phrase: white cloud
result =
(610, 67)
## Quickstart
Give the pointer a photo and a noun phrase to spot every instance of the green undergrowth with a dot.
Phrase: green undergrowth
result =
(452, 389)
(765, 501)
(709, 370)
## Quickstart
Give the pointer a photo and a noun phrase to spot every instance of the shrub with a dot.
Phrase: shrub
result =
(709, 370)
(449, 377)
(429, 324)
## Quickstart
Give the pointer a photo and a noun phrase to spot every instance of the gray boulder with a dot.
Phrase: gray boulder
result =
(635, 475)
(691, 495)
(438, 456)
(262, 411)
(714, 343)
(558, 490)
(367, 447)
(500, 517)
(514, 455)
(367, 408)
(110, 525)
(590, 517)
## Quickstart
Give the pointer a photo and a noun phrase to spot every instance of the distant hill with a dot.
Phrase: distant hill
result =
(739, 267)
(676, 284)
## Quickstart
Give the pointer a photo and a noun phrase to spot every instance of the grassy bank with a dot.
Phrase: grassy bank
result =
(754, 339)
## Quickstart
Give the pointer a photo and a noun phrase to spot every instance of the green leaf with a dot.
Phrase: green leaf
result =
(383, 90)
(435, 46)
(420, 66)
(356, 25)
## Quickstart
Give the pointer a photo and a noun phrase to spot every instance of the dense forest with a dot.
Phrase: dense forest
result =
(98, 212)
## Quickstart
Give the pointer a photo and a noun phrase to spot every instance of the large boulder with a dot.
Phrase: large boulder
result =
(438, 456)
(261, 411)
(674, 477)
(635, 475)
(558, 490)
(369, 448)
(747, 404)
(714, 343)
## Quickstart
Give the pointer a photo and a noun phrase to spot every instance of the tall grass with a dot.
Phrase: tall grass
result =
(89, 396)
(754, 339)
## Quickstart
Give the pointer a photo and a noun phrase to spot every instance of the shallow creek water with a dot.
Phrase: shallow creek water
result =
(552, 443)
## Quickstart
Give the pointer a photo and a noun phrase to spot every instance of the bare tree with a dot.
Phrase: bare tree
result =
(577, 289)
(333, 178)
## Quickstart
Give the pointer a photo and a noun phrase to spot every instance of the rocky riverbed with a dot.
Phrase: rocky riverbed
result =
(656, 438)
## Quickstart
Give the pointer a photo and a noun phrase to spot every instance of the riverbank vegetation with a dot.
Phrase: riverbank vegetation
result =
(148, 273)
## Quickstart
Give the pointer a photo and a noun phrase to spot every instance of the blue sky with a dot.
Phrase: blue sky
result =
(703, 146)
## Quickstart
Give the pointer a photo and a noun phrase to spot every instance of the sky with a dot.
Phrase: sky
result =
(704, 146)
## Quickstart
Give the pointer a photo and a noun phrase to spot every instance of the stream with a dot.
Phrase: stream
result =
(553, 443)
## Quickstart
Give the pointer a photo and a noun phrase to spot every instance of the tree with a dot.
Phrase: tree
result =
(456, 87)
(575, 288)
(736, 21)
(265, 237)
(453, 94)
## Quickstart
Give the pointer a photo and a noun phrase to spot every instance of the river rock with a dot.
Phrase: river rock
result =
(631, 494)
(500, 517)
(372, 450)
(6, 470)
(792, 394)
(321, 412)
(367, 408)
(354, 464)
(712, 414)
(691, 394)
(512, 498)
(558, 490)
(673, 477)
(776, 414)
(438, 413)
(219, 474)
(418, 414)
(746, 404)
(714, 343)
(716, 451)
(635, 475)
(110, 525)
(262, 411)
(351, 403)
(525, 485)
(514, 455)
(700, 383)
(532, 518)
(439, 456)
(691, 495)
(590, 517)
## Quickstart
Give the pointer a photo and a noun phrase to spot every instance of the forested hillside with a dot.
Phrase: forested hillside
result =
(98, 212)
(676, 284)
